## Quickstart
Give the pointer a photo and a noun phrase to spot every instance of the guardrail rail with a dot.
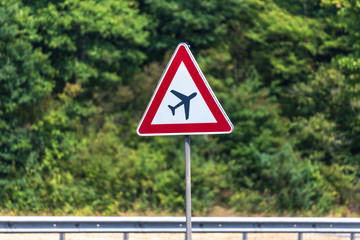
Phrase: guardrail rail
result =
(126, 225)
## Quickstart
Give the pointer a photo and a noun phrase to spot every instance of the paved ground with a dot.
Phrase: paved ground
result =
(176, 236)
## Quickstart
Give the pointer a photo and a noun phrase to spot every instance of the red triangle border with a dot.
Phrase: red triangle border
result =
(223, 123)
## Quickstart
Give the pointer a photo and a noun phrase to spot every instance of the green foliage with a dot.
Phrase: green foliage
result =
(201, 23)
(92, 43)
(75, 77)
(25, 82)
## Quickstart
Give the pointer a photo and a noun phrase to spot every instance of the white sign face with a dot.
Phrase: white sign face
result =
(198, 111)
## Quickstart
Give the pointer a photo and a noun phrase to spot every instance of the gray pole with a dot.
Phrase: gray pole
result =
(62, 236)
(352, 236)
(188, 187)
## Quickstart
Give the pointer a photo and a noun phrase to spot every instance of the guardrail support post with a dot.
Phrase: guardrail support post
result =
(244, 236)
(126, 236)
(62, 236)
(352, 236)
(299, 236)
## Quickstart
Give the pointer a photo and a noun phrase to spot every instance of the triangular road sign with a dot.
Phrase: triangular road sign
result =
(183, 102)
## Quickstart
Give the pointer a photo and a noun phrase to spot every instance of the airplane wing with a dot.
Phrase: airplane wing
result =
(187, 109)
(179, 95)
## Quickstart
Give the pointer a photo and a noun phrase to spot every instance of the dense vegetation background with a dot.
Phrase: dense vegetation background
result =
(76, 77)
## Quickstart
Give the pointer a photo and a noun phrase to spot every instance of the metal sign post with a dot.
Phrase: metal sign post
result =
(188, 187)
(184, 104)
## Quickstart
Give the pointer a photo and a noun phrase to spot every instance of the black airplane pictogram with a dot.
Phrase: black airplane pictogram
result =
(185, 100)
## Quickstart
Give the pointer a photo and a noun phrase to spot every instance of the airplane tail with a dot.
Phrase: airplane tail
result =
(172, 109)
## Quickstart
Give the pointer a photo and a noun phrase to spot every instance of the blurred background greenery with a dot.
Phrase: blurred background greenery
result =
(77, 75)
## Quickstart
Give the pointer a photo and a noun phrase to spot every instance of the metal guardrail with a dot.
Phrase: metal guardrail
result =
(127, 225)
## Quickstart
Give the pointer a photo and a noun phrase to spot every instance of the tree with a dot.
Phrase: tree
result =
(25, 83)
